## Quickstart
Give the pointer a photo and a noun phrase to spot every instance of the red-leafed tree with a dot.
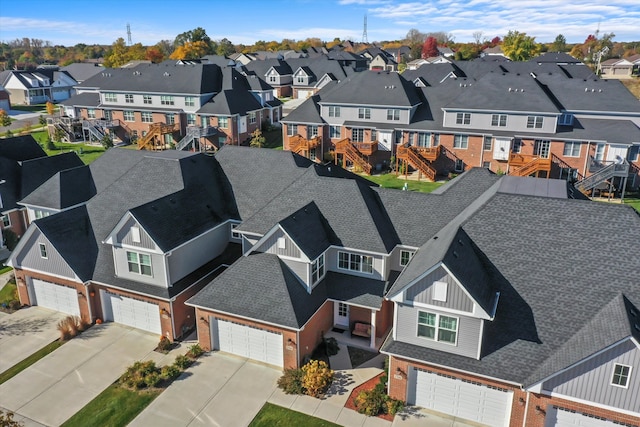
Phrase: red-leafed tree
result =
(430, 47)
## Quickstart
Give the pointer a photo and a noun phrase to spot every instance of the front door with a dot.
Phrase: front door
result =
(341, 314)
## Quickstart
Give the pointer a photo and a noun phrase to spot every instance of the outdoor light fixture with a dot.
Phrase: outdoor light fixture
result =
(539, 410)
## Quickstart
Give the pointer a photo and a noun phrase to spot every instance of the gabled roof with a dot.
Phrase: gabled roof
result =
(283, 299)
(309, 230)
(84, 99)
(82, 71)
(307, 112)
(231, 102)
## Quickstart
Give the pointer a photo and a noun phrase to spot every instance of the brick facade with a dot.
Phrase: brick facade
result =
(534, 412)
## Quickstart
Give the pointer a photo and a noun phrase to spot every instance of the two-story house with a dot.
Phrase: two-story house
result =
(37, 87)
(24, 166)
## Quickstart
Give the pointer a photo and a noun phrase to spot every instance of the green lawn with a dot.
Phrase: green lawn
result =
(634, 202)
(87, 153)
(8, 293)
(31, 108)
(274, 416)
(273, 138)
(390, 180)
(5, 269)
(24, 364)
(115, 406)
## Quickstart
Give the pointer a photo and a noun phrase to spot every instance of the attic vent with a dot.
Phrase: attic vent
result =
(460, 242)
(166, 74)
(136, 73)
(637, 327)
(510, 89)
(455, 254)
(633, 312)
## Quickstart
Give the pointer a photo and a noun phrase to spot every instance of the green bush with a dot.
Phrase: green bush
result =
(152, 379)
(370, 402)
(182, 362)
(394, 406)
(332, 346)
(170, 372)
(195, 351)
(136, 375)
(291, 381)
(164, 345)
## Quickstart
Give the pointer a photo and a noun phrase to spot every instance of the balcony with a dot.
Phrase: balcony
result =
(366, 148)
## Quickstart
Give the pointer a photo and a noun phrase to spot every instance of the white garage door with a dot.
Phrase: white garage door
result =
(245, 341)
(557, 417)
(131, 312)
(56, 297)
(304, 94)
(459, 398)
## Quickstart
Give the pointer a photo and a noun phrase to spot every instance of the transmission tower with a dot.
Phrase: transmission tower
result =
(129, 42)
(365, 39)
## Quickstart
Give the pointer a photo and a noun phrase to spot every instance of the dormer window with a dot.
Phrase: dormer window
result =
(139, 263)
(437, 327)
(565, 119)
(355, 262)
(405, 257)
(621, 375)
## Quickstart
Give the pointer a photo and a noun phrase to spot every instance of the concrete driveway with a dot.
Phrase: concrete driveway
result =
(24, 332)
(60, 384)
(219, 390)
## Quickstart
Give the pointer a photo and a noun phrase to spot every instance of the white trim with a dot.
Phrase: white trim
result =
(437, 328)
(399, 295)
(480, 339)
(615, 365)
(212, 312)
(361, 251)
(590, 403)
(44, 273)
(131, 291)
(360, 270)
(475, 302)
(270, 233)
(353, 305)
(421, 305)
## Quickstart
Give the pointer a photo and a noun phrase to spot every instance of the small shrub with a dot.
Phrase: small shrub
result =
(152, 379)
(394, 406)
(169, 372)
(14, 305)
(370, 402)
(6, 420)
(332, 346)
(182, 362)
(195, 351)
(137, 375)
(65, 328)
(317, 377)
(164, 345)
(291, 381)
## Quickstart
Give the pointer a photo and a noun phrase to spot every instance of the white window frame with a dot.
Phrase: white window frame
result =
(437, 327)
(570, 146)
(357, 135)
(405, 257)
(235, 234)
(252, 117)
(436, 139)
(223, 122)
(459, 166)
(167, 100)
(6, 221)
(128, 98)
(535, 122)
(146, 117)
(356, 262)
(463, 118)
(364, 113)
(147, 99)
(170, 118)
(110, 97)
(334, 111)
(129, 116)
(335, 132)
(312, 131)
(499, 120)
(627, 376)
(91, 113)
(393, 114)
(486, 139)
(139, 263)
(461, 142)
(598, 155)
(292, 129)
(43, 250)
(317, 269)
(189, 101)
(566, 119)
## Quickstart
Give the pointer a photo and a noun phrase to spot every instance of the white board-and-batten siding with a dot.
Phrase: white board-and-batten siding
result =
(125, 236)
(591, 379)
(270, 245)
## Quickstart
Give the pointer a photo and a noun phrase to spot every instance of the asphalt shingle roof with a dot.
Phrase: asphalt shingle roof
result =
(373, 88)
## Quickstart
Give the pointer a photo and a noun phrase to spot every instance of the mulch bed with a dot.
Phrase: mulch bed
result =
(369, 385)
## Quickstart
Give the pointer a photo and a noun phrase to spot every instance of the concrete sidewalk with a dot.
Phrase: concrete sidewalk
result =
(60, 384)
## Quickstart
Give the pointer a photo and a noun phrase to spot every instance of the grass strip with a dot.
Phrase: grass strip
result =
(274, 416)
(24, 364)
(115, 406)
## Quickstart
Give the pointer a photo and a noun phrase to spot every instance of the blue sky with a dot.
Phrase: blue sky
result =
(245, 21)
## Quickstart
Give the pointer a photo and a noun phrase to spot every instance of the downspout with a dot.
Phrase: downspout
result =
(173, 325)
(526, 410)
(586, 159)
(89, 300)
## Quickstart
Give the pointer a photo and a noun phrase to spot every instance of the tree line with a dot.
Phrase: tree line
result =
(28, 53)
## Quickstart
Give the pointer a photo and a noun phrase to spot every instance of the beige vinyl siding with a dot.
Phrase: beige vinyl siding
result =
(469, 328)
(591, 380)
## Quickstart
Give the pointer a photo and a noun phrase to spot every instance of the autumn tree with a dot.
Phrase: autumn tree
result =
(430, 47)
(117, 56)
(519, 46)
(51, 108)
(225, 47)
(257, 139)
(5, 120)
(154, 54)
(190, 50)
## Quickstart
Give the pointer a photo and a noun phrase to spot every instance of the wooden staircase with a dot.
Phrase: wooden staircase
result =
(153, 139)
(420, 158)
(353, 154)
(527, 165)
